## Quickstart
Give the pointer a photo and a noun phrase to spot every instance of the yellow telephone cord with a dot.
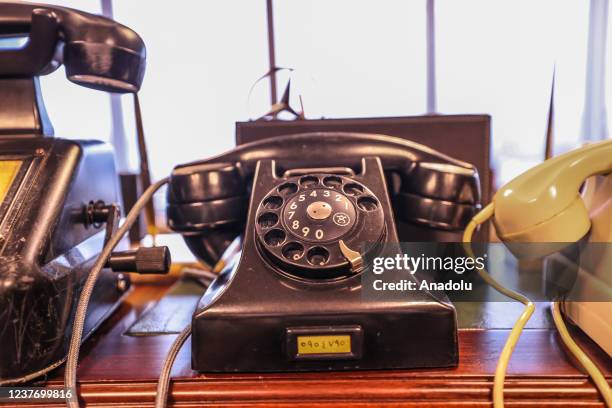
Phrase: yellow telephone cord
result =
(515, 333)
(598, 378)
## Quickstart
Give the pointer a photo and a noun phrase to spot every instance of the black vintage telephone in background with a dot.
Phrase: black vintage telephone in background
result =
(55, 195)
(306, 204)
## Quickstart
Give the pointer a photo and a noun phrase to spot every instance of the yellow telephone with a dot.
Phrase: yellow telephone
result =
(544, 205)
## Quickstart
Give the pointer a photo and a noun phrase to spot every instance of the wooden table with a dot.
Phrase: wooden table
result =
(116, 368)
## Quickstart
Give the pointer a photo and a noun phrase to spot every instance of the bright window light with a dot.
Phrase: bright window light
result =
(498, 57)
(366, 58)
(357, 58)
(202, 57)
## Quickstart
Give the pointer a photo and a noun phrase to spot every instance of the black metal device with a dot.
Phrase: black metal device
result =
(312, 208)
(54, 193)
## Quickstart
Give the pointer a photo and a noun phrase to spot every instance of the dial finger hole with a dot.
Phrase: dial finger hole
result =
(275, 237)
(317, 256)
(293, 251)
(267, 220)
(367, 203)
(332, 181)
(309, 181)
(287, 188)
(273, 202)
(353, 189)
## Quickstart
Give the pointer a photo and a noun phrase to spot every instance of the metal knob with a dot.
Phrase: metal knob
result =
(319, 210)
(142, 260)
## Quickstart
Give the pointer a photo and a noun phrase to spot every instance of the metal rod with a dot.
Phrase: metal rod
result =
(107, 8)
(431, 57)
(594, 117)
(271, 52)
(548, 148)
(118, 137)
(145, 174)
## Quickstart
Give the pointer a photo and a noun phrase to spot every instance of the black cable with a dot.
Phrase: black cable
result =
(163, 384)
(81, 311)
(31, 376)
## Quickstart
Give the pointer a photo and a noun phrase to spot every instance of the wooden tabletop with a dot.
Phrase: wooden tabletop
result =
(117, 368)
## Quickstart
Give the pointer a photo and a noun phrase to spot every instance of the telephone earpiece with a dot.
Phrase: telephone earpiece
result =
(544, 204)
(438, 195)
(97, 52)
(208, 201)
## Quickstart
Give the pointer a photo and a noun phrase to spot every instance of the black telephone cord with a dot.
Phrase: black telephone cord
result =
(81, 311)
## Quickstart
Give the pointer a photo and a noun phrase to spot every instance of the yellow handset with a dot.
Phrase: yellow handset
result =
(543, 205)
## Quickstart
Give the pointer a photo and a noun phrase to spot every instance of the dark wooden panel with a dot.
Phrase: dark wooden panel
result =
(118, 368)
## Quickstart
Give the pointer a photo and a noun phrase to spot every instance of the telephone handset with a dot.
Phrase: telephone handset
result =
(544, 204)
(208, 200)
(97, 52)
(310, 208)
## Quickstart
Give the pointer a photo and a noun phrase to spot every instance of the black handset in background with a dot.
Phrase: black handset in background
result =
(55, 194)
(97, 52)
(312, 208)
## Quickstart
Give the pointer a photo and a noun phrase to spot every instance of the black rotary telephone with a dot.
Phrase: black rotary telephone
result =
(306, 205)
(56, 195)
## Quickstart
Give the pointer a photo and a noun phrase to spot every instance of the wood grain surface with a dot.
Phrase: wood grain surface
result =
(120, 370)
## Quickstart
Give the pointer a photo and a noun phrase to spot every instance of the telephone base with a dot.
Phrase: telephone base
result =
(421, 335)
(261, 315)
(47, 249)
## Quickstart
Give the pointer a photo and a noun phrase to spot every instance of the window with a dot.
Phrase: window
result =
(360, 58)
(76, 112)
(366, 58)
(202, 57)
(498, 57)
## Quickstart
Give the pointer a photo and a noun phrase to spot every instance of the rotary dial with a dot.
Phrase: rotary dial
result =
(320, 214)
(306, 223)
